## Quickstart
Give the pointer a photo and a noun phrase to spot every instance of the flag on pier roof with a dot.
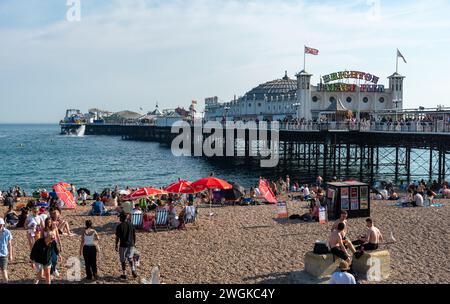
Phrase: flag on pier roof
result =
(311, 51)
(399, 55)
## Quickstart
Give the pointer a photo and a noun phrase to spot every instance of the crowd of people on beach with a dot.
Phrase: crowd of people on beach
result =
(45, 225)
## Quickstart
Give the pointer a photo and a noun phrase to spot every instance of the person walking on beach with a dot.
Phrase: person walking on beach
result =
(6, 253)
(50, 226)
(89, 250)
(41, 257)
(342, 277)
(35, 225)
(126, 238)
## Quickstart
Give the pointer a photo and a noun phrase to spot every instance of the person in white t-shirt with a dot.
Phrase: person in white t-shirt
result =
(306, 193)
(418, 200)
(342, 277)
(35, 225)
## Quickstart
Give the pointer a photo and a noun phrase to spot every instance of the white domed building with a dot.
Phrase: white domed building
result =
(288, 98)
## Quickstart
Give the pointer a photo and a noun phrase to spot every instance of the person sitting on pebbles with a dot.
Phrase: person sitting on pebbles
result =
(371, 239)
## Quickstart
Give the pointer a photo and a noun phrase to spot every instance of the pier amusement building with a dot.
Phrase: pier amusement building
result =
(288, 98)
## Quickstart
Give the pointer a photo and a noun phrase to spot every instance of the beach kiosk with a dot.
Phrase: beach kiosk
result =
(353, 197)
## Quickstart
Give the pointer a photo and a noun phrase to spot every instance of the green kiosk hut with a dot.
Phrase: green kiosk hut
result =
(353, 197)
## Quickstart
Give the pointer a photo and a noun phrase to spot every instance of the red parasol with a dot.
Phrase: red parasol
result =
(64, 195)
(266, 192)
(144, 192)
(210, 183)
(64, 185)
(182, 186)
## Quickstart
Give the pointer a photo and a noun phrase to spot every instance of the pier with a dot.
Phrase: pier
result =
(369, 151)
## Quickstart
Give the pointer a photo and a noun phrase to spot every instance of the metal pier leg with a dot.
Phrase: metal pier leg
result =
(430, 173)
(444, 168)
(396, 163)
(378, 159)
(309, 158)
(408, 165)
(440, 166)
(317, 151)
(339, 159)
(361, 152)
(372, 166)
(333, 151)
(325, 161)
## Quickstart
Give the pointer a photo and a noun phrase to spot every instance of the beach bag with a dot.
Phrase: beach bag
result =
(321, 248)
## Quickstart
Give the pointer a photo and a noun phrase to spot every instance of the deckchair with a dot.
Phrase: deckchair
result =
(137, 220)
(190, 216)
(161, 219)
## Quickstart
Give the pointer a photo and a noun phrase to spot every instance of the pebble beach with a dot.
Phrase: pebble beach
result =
(248, 244)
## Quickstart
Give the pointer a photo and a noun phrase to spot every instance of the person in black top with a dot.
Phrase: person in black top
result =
(126, 236)
(41, 256)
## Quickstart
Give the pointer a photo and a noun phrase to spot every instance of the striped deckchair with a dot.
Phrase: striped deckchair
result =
(161, 219)
(137, 219)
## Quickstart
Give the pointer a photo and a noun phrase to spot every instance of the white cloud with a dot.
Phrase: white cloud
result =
(133, 53)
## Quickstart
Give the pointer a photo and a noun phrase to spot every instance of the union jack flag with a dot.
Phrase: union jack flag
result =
(311, 51)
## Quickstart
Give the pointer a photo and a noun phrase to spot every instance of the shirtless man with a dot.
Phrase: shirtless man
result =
(371, 239)
(337, 246)
(343, 219)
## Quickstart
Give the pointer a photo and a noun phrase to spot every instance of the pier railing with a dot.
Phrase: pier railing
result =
(364, 126)
(406, 127)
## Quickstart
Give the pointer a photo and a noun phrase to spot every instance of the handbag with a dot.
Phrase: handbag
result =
(321, 248)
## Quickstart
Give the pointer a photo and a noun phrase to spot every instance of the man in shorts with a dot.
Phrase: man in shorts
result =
(126, 236)
(41, 257)
(6, 253)
(337, 247)
(371, 239)
(345, 240)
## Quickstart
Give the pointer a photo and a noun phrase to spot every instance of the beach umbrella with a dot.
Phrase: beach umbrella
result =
(64, 195)
(211, 183)
(64, 185)
(144, 192)
(182, 186)
(233, 194)
(88, 192)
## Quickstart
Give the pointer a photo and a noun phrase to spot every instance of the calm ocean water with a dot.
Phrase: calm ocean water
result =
(36, 156)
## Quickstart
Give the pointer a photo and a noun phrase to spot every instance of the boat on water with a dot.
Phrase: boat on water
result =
(73, 123)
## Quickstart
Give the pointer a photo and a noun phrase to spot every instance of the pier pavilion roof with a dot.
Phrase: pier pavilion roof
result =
(283, 86)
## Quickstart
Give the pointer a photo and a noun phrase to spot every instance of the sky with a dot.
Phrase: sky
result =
(132, 54)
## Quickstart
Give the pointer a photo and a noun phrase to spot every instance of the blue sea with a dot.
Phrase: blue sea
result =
(37, 156)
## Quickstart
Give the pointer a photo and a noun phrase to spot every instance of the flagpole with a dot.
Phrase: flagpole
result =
(396, 68)
(304, 58)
